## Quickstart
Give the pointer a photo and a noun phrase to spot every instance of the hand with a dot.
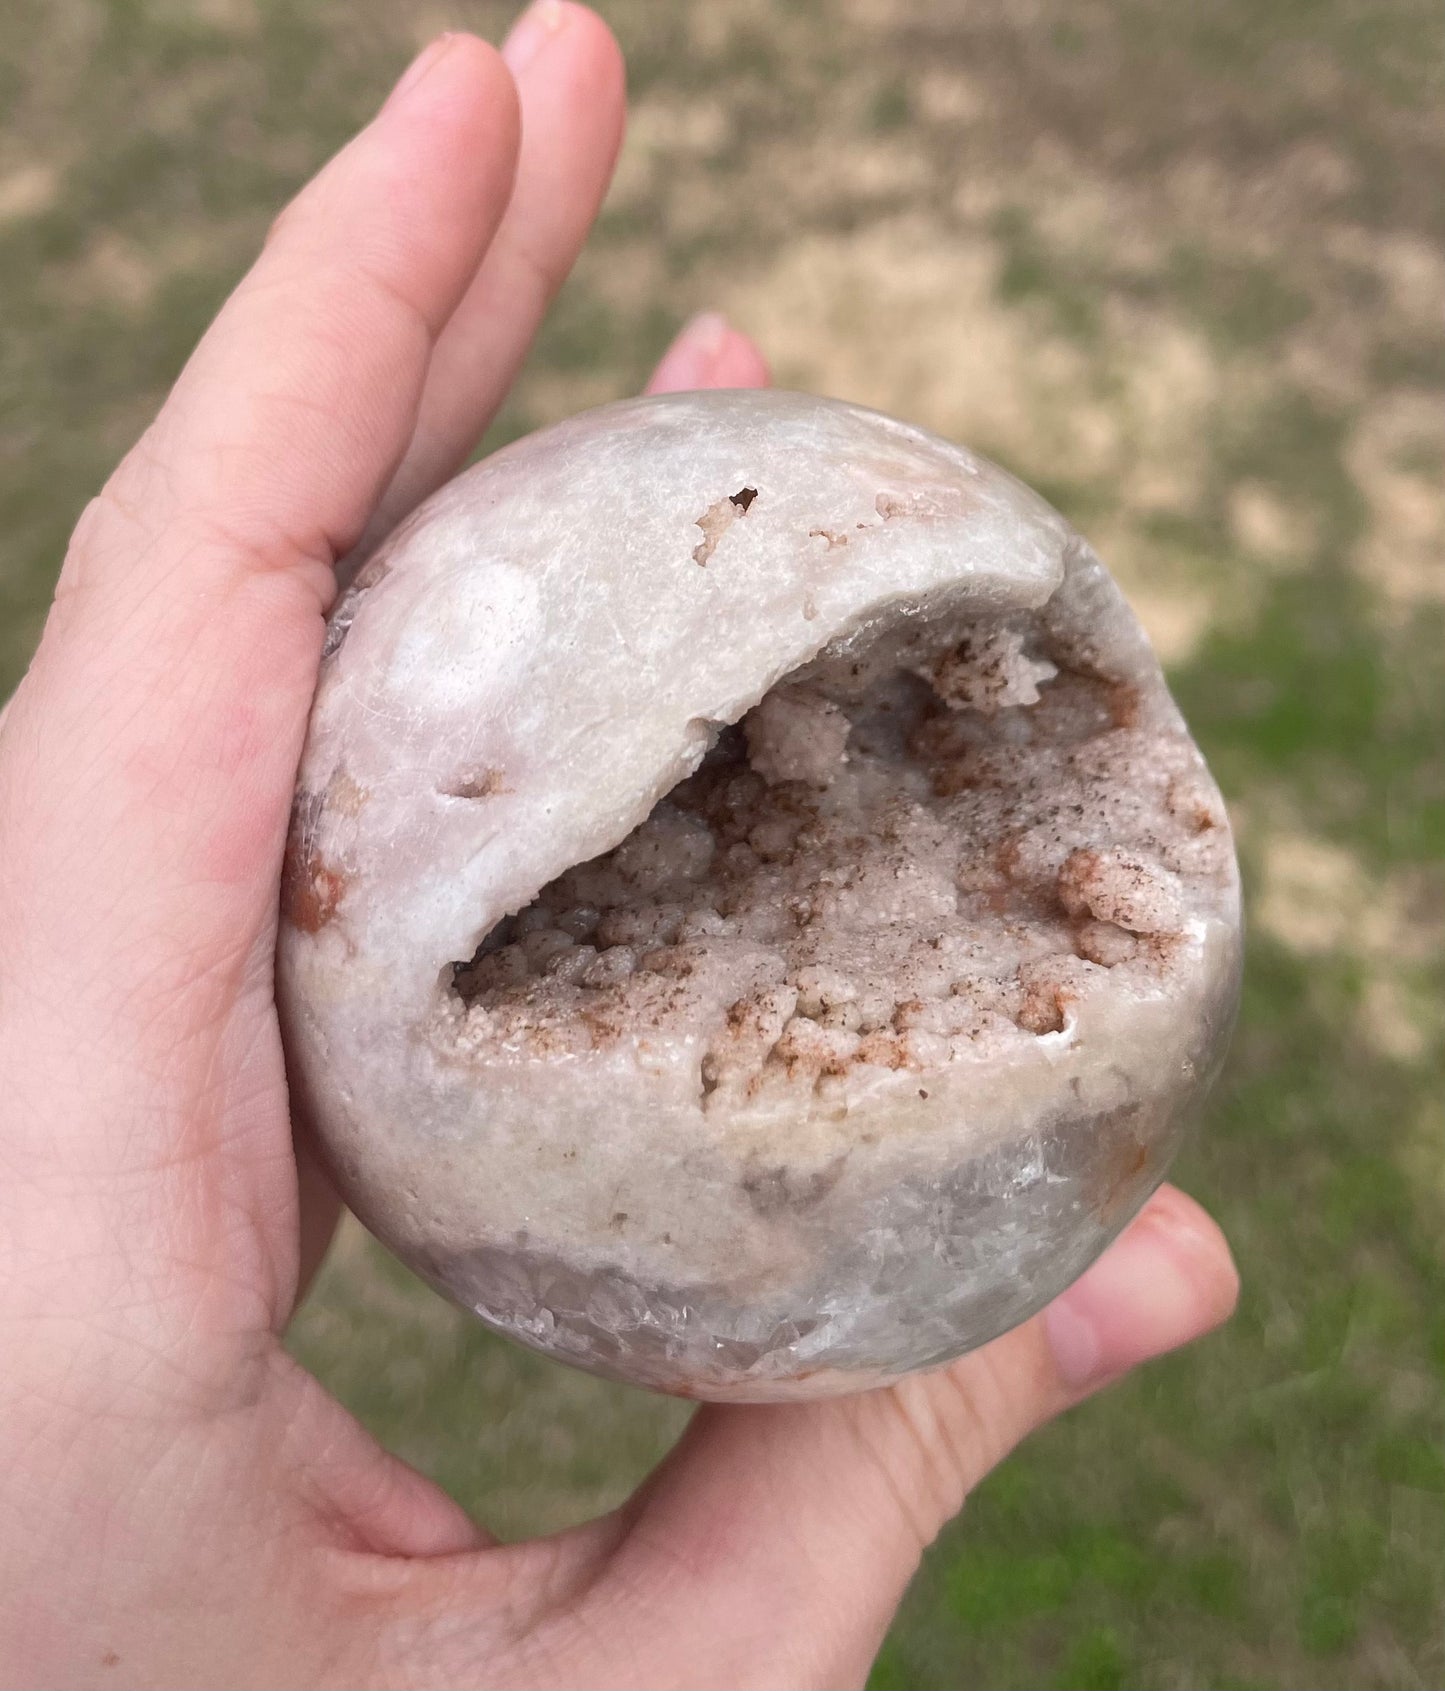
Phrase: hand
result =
(179, 1502)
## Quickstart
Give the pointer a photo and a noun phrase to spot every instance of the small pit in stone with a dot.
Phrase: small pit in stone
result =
(718, 519)
(894, 859)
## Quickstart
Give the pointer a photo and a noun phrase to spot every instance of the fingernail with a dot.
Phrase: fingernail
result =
(1167, 1280)
(689, 362)
(421, 67)
(705, 334)
(1074, 1340)
(538, 25)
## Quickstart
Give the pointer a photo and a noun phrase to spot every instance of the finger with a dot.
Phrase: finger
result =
(168, 700)
(571, 86)
(794, 1530)
(710, 353)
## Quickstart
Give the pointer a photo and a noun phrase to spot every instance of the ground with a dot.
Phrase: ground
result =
(1184, 269)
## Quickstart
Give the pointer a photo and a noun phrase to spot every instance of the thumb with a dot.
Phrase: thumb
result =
(787, 1535)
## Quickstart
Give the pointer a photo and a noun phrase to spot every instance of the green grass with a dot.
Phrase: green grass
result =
(1269, 1509)
(1066, 286)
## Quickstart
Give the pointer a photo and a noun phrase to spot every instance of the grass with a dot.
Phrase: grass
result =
(1156, 259)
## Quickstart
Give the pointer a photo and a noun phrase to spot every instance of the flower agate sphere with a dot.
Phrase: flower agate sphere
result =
(755, 923)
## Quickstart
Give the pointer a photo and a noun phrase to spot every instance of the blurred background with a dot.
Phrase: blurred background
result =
(1183, 268)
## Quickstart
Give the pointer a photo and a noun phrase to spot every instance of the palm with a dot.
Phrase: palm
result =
(180, 1500)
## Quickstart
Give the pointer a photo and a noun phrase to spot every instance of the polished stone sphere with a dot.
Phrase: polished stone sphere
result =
(755, 922)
